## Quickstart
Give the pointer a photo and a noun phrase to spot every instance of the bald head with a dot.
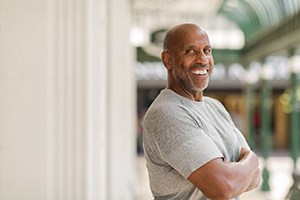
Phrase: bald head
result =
(187, 56)
(175, 34)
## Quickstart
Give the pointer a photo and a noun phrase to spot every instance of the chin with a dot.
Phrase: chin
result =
(200, 89)
(197, 90)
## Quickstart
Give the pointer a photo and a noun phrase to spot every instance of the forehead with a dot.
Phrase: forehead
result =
(192, 37)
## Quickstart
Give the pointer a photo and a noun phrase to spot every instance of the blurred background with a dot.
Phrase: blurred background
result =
(76, 78)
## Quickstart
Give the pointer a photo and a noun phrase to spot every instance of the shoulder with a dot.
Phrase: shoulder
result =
(166, 101)
(164, 106)
(167, 108)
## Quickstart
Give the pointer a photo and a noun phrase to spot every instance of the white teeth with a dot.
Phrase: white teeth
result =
(200, 71)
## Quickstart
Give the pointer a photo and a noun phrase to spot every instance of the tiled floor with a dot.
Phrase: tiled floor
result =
(279, 166)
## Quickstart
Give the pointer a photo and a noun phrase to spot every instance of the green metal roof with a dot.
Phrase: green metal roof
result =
(253, 16)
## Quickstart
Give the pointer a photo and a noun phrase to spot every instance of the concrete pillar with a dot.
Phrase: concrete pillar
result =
(67, 120)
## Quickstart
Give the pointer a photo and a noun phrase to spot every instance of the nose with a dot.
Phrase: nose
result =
(201, 58)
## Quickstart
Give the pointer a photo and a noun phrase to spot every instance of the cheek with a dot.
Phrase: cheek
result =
(211, 65)
(211, 60)
(181, 66)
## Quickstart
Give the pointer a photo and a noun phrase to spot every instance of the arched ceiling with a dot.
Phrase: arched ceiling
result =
(256, 15)
(249, 16)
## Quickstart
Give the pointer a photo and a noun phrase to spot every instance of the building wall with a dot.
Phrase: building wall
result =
(67, 100)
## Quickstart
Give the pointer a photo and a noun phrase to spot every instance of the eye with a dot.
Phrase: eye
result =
(190, 51)
(207, 51)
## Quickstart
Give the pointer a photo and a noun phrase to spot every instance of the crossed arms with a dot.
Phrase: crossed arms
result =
(225, 180)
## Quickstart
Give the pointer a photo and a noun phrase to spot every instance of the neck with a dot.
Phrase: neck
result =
(195, 96)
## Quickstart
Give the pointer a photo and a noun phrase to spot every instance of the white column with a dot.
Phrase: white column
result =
(121, 99)
(67, 101)
(92, 101)
(67, 120)
(96, 77)
(23, 95)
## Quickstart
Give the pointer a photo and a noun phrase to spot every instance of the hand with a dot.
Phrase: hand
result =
(243, 153)
(256, 180)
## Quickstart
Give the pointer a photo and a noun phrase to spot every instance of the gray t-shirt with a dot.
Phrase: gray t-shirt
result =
(181, 135)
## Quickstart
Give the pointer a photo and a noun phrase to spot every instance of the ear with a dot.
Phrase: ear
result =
(166, 59)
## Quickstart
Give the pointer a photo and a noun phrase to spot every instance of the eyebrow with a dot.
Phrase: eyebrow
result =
(193, 46)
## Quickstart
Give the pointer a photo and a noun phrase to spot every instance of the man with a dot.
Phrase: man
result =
(192, 148)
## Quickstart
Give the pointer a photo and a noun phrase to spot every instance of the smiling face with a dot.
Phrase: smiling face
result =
(188, 57)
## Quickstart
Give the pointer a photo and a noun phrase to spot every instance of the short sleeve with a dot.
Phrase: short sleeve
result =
(181, 143)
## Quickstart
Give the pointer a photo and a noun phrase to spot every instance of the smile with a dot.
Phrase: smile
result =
(200, 71)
